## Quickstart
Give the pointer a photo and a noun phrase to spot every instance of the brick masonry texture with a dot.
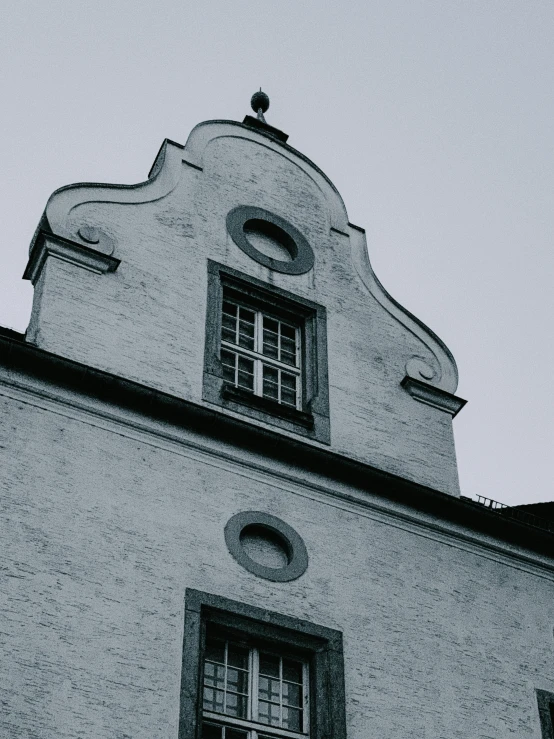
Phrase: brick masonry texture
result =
(105, 528)
(106, 517)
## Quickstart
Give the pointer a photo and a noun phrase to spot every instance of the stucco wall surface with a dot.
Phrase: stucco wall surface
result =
(103, 528)
(146, 320)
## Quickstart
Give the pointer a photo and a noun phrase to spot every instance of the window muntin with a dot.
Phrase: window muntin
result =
(261, 353)
(251, 693)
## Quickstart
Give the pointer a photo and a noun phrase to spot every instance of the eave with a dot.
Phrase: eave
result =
(18, 357)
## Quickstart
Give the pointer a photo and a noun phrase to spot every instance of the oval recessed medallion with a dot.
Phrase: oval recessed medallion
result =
(266, 546)
(270, 240)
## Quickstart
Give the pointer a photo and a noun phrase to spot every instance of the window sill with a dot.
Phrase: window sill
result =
(237, 394)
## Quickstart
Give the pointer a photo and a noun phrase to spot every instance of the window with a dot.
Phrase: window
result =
(249, 692)
(261, 353)
(266, 353)
(248, 673)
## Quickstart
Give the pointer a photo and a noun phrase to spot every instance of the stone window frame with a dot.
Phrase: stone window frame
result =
(545, 702)
(320, 646)
(312, 419)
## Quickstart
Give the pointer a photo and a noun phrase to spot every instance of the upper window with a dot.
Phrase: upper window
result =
(249, 692)
(261, 354)
(248, 673)
(266, 353)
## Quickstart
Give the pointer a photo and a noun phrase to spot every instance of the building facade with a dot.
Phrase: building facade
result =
(229, 483)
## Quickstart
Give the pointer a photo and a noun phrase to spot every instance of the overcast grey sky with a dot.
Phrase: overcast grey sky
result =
(432, 117)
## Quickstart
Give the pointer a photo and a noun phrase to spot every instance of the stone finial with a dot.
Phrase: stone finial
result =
(260, 104)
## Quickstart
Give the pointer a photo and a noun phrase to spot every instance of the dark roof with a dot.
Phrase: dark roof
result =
(541, 510)
(9, 333)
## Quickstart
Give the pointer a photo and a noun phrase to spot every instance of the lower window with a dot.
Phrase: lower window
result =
(249, 692)
(254, 674)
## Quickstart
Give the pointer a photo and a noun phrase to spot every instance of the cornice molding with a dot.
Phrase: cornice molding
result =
(47, 245)
(167, 171)
(460, 518)
(56, 219)
(433, 396)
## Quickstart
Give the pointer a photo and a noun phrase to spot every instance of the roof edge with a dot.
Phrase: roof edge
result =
(19, 356)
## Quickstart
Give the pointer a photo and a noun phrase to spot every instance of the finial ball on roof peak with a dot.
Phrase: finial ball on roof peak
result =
(259, 101)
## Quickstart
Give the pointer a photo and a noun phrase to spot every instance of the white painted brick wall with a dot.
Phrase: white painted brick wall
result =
(146, 321)
(103, 528)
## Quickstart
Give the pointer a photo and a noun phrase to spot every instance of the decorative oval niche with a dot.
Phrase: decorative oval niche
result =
(270, 240)
(266, 546)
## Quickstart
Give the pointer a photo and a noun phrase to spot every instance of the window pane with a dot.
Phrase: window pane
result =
(288, 388)
(271, 391)
(237, 680)
(213, 700)
(271, 380)
(236, 705)
(292, 694)
(234, 734)
(238, 656)
(288, 345)
(269, 689)
(228, 360)
(288, 397)
(271, 374)
(215, 650)
(229, 308)
(268, 713)
(246, 316)
(228, 335)
(229, 374)
(292, 671)
(214, 675)
(269, 665)
(246, 335)
(270, 349)
(288, 381)
(246, 328)
(246, 373)
(292, 719)
(288, 358)
(211, 731)
(270, 324)
(271, 343)
(246, 381)
(229, 321)
(226, 688)
(246, 365)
